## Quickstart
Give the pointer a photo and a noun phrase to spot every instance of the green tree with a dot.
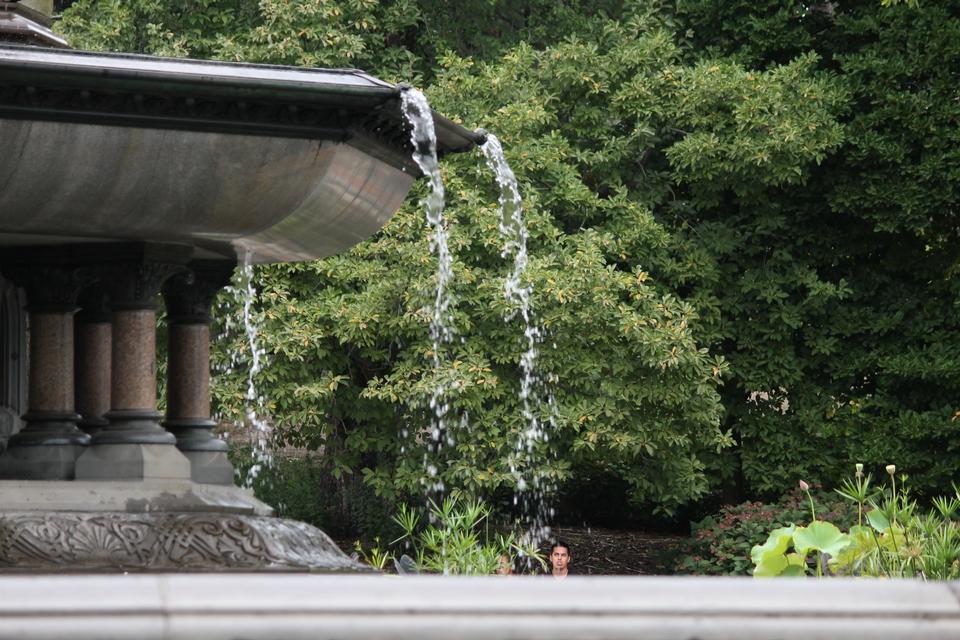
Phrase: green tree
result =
(775, 181)
(836, 291)
(347, 337)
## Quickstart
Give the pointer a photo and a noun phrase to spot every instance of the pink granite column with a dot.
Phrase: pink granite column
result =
(188, 299)
(134, 445)
(48, 447)
(93, 338)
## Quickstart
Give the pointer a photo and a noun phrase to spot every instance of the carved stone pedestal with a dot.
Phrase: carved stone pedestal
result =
(83, 542)
(174, 525)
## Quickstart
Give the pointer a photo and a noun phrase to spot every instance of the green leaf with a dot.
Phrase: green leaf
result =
(771, 566)
(769, 558)
(820, 536)
(878, 520)
(796, 566)
(777, 544)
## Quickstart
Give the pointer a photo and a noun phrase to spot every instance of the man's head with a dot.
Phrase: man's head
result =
(504, 565)
(560, 557)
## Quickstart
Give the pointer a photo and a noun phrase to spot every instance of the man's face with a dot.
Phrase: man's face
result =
(559, 558)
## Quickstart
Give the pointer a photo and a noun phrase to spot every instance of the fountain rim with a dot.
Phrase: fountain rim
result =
(80, 71)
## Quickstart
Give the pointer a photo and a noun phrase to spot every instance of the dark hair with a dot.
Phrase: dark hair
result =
(561, 543)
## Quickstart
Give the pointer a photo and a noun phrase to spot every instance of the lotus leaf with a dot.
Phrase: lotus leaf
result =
(820, 536)
(769, 557)
(878, 520)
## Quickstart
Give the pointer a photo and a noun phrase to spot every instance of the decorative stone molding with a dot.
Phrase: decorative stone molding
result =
(74, 541)
(189, 294)
(51, 287)
(134, 286)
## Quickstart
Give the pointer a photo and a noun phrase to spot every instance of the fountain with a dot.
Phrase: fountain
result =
(125, 178)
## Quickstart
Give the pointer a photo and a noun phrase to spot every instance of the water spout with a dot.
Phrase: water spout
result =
(424, 139)
(537, 402)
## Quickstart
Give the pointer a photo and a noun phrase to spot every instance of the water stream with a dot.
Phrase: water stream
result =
(239, 316)
(530, 453)
(424, 139)
(538, 407)
(527, 461)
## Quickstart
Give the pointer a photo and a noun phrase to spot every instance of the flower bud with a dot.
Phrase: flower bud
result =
(891, 469)
(859, 473)
(804, 486)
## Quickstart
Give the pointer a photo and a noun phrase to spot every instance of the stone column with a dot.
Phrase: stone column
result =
(133, 446)
(93, 336)
(188, 298)
(48, 447)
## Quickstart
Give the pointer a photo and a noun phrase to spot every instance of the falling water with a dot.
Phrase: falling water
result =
(537, 403)
(424, 139)
(249, 358)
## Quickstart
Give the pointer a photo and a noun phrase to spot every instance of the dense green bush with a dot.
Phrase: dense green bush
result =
(304, 488)
(720, 544)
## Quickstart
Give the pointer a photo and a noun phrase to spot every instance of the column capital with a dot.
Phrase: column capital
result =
(51, 288)
(189, 294)
(135, 286)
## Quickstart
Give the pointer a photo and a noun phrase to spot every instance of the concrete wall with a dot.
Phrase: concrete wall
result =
(221, 606)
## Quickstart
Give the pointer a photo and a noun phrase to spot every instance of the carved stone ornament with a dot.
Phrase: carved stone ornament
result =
(189, 294)
(74, 541)
(51, 287)
(135, 286)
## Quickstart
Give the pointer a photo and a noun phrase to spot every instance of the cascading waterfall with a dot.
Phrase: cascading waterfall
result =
(424, 139)
(538, 407)
(536, 401)
(250, 358)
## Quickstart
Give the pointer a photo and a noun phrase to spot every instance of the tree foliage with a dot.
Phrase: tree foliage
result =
(742, 217)
(837, 291)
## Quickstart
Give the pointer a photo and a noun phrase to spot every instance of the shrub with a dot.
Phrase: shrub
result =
(893, 538)
(305, 488)
(720, 544)
(455, 538)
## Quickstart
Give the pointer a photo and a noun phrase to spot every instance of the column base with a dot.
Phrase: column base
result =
(210, 467)
(49, 428)
(92, 426)
(46, 449)
(40, 462)
(132, 462)
(208, 455)
(133, 426)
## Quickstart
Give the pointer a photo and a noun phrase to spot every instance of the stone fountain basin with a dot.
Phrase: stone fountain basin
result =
(290, 164)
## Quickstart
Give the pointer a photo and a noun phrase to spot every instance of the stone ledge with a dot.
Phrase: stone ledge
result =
(214, 606)
(128, 496)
